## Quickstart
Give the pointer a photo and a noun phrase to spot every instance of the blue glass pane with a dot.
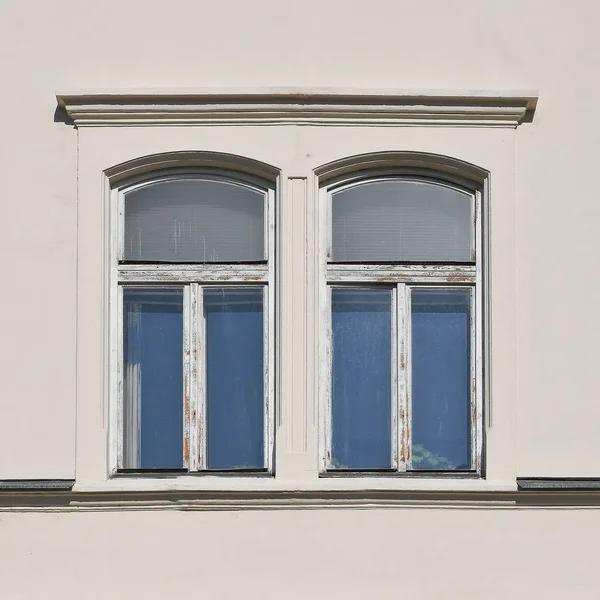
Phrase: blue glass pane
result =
(361, 378)
(441, 426)
(153, 378)
(235, 378)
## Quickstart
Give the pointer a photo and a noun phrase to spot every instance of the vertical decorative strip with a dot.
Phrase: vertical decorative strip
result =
(295, 306)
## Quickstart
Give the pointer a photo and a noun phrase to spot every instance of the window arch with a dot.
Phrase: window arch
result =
(192, 297)
(401, 280)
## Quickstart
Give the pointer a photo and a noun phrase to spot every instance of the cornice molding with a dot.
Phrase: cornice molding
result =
(297, 106)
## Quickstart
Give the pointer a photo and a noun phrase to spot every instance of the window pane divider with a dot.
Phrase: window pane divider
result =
(120, 391)
(482, 395)
(243, 273)
(201, 387)
(401, 411)
(270, 342)
(401, 273)
(408, 371)
(473, 382)
(197, 399)
(268, 372)
(326, 379)
(395, 425)
(194, 458)
(187, 378)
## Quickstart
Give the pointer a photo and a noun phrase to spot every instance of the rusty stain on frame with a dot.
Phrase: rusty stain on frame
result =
(188, 276)
(444, 275)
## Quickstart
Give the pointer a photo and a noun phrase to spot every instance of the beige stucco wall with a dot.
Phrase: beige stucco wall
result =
(547, 295)
(417, 553)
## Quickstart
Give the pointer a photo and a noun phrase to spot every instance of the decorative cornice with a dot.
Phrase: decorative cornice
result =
(297, 106)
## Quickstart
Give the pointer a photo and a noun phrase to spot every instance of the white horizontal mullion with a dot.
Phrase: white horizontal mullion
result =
(225, 274)
(446, 274)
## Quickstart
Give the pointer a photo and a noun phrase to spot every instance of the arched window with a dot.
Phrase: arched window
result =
(193, 282)
(401, 311)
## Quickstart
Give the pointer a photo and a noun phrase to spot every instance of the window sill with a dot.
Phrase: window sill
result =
(260, 484)
(125, 495)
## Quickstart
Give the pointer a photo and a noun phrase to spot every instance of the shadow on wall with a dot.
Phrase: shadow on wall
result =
(61, 116)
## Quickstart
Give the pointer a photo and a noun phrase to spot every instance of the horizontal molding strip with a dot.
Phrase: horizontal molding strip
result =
(230, 274)
(71, 501)
(403, 274)
(298, 106)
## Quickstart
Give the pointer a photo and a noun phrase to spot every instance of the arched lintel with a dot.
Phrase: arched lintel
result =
(146, 165)
(423, 162)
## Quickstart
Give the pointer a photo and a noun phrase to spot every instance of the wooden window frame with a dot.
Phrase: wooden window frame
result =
(193, 278)
(402, 279)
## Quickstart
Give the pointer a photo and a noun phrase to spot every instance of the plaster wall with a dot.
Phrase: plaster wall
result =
(548, 333)
(413, 553)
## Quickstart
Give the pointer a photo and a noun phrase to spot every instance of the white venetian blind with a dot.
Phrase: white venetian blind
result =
(195, 220)
(402, 220)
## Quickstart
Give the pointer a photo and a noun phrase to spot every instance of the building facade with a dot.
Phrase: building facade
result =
(289, 302)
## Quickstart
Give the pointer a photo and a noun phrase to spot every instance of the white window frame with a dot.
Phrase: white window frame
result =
(402, 279)
(193, 278)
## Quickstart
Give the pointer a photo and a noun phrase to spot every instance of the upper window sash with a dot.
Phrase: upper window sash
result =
(400, 219)
(160, 223)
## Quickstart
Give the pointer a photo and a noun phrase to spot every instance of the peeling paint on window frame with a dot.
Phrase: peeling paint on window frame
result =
(402, 278)
(193, 278)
